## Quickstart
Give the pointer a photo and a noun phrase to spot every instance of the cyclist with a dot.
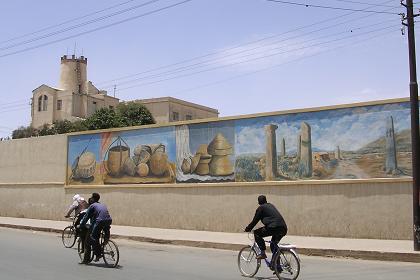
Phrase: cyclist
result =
(100, 220)
(274, 225)
(79, 206)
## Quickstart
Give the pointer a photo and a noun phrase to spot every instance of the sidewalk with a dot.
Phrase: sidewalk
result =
(369, 249)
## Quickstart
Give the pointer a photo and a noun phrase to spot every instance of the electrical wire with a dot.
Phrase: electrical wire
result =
(329, 7)
(83, 24)
(206, 62)
(254, 59)
(96, 29)
(65, 22)
(107, 82)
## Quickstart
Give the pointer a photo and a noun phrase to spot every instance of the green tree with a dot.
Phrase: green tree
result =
(103, 118)
(24, 132)
(133, 114)
(64, 126)
(46, 130)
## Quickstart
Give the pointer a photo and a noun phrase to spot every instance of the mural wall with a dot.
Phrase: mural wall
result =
(351, 143)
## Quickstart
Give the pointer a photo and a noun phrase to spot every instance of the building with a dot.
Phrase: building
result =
(75, 97)
(169, 109)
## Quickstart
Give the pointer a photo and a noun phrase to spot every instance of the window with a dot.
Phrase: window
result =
(45, 103)
(175, 116)
(40, 103)
(59, 104)
(188, 117)
(111, 107)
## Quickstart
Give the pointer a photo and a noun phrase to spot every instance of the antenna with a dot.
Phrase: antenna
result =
(74, 51)
(115, 88)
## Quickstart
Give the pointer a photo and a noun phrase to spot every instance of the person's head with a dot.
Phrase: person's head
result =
(76, 197)
(96, 197)
(90, 201)
(262, 200)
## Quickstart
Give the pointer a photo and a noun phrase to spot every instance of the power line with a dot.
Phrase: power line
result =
(239, 46)
(64, 22)
(83, 24)
(96, 29)
(330, 7)
(204, 63)
(364, 3)
(276, 66)
(254, 59)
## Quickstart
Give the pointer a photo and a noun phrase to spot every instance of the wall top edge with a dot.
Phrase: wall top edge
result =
(31, 184)
(246, 184)
(246, 116)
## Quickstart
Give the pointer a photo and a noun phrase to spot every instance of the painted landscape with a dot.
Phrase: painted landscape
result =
(349, 143)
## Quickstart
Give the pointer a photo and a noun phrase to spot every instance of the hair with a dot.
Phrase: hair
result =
(96, 197)
(262, 199)
(90, 201)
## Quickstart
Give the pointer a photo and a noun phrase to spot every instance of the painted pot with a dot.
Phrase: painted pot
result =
(116, 158)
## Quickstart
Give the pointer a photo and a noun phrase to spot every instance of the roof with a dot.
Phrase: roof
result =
(176, 100)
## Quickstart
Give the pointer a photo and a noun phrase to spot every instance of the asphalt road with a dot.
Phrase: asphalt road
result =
(35, 255)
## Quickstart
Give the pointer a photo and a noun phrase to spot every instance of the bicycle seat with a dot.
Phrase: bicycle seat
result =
(287, 246)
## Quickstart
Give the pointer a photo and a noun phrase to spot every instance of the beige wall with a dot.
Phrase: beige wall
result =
(159, 111)
(41, 117)
(33, 160)
(357, 210)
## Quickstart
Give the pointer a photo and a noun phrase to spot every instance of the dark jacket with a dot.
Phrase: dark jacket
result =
(268, 214)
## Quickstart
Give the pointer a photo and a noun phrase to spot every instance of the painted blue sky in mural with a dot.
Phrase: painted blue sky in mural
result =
(350, 128)
(78, 143)
(205, 132)
(162, 135)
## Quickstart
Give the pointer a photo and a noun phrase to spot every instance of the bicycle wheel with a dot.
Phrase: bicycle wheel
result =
(287, 265)
(247, 262)
(68, 236)
(111, 254)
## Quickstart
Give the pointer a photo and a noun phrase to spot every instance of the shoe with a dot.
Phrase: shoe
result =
(83, 262)
(97, 258)
(261, 256)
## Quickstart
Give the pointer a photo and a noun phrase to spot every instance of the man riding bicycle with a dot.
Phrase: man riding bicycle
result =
(100, 220)
(79, 206)
(274, 225)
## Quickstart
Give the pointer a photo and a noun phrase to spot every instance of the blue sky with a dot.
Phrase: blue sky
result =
(303, 68)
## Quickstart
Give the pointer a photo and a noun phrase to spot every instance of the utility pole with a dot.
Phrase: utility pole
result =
(414, 101)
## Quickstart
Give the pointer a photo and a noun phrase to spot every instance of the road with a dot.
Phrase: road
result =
(41, 256)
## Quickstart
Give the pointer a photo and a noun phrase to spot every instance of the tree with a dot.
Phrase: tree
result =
(103, 118)
(24, 132)
(133, 114)
(64, 126)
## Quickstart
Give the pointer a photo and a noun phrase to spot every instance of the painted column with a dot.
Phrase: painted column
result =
(337, 153)
(270, 152)
(306, 150)
(390, 150)
(298, 147)
(283, 148)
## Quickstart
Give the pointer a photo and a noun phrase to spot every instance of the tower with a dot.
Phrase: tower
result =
(73, 74)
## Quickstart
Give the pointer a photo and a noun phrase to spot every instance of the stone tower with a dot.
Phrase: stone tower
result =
(73, 74)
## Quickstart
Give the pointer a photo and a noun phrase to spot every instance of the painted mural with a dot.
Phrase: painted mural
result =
(126, 157)
(205, 152)
(350, 143)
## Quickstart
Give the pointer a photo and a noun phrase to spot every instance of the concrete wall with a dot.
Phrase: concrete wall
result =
(33, 160)
(347, 209)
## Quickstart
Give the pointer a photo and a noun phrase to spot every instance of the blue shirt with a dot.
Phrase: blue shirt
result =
(96, 212)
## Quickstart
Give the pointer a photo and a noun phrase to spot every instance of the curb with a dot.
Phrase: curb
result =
(334, 253)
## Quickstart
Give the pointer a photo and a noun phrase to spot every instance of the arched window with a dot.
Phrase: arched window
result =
(45, 104)
(40, 103)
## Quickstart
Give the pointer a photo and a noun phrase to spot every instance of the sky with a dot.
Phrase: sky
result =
(238, 56)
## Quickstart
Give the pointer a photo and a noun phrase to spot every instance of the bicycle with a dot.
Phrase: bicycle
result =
(69, 234)
(109, 250)
(284, 262)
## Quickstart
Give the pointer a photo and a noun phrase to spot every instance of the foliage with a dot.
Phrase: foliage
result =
(133, 114)
(126, 114)
(247, 169)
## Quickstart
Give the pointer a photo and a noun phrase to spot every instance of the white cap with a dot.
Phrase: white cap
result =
(76, 197)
